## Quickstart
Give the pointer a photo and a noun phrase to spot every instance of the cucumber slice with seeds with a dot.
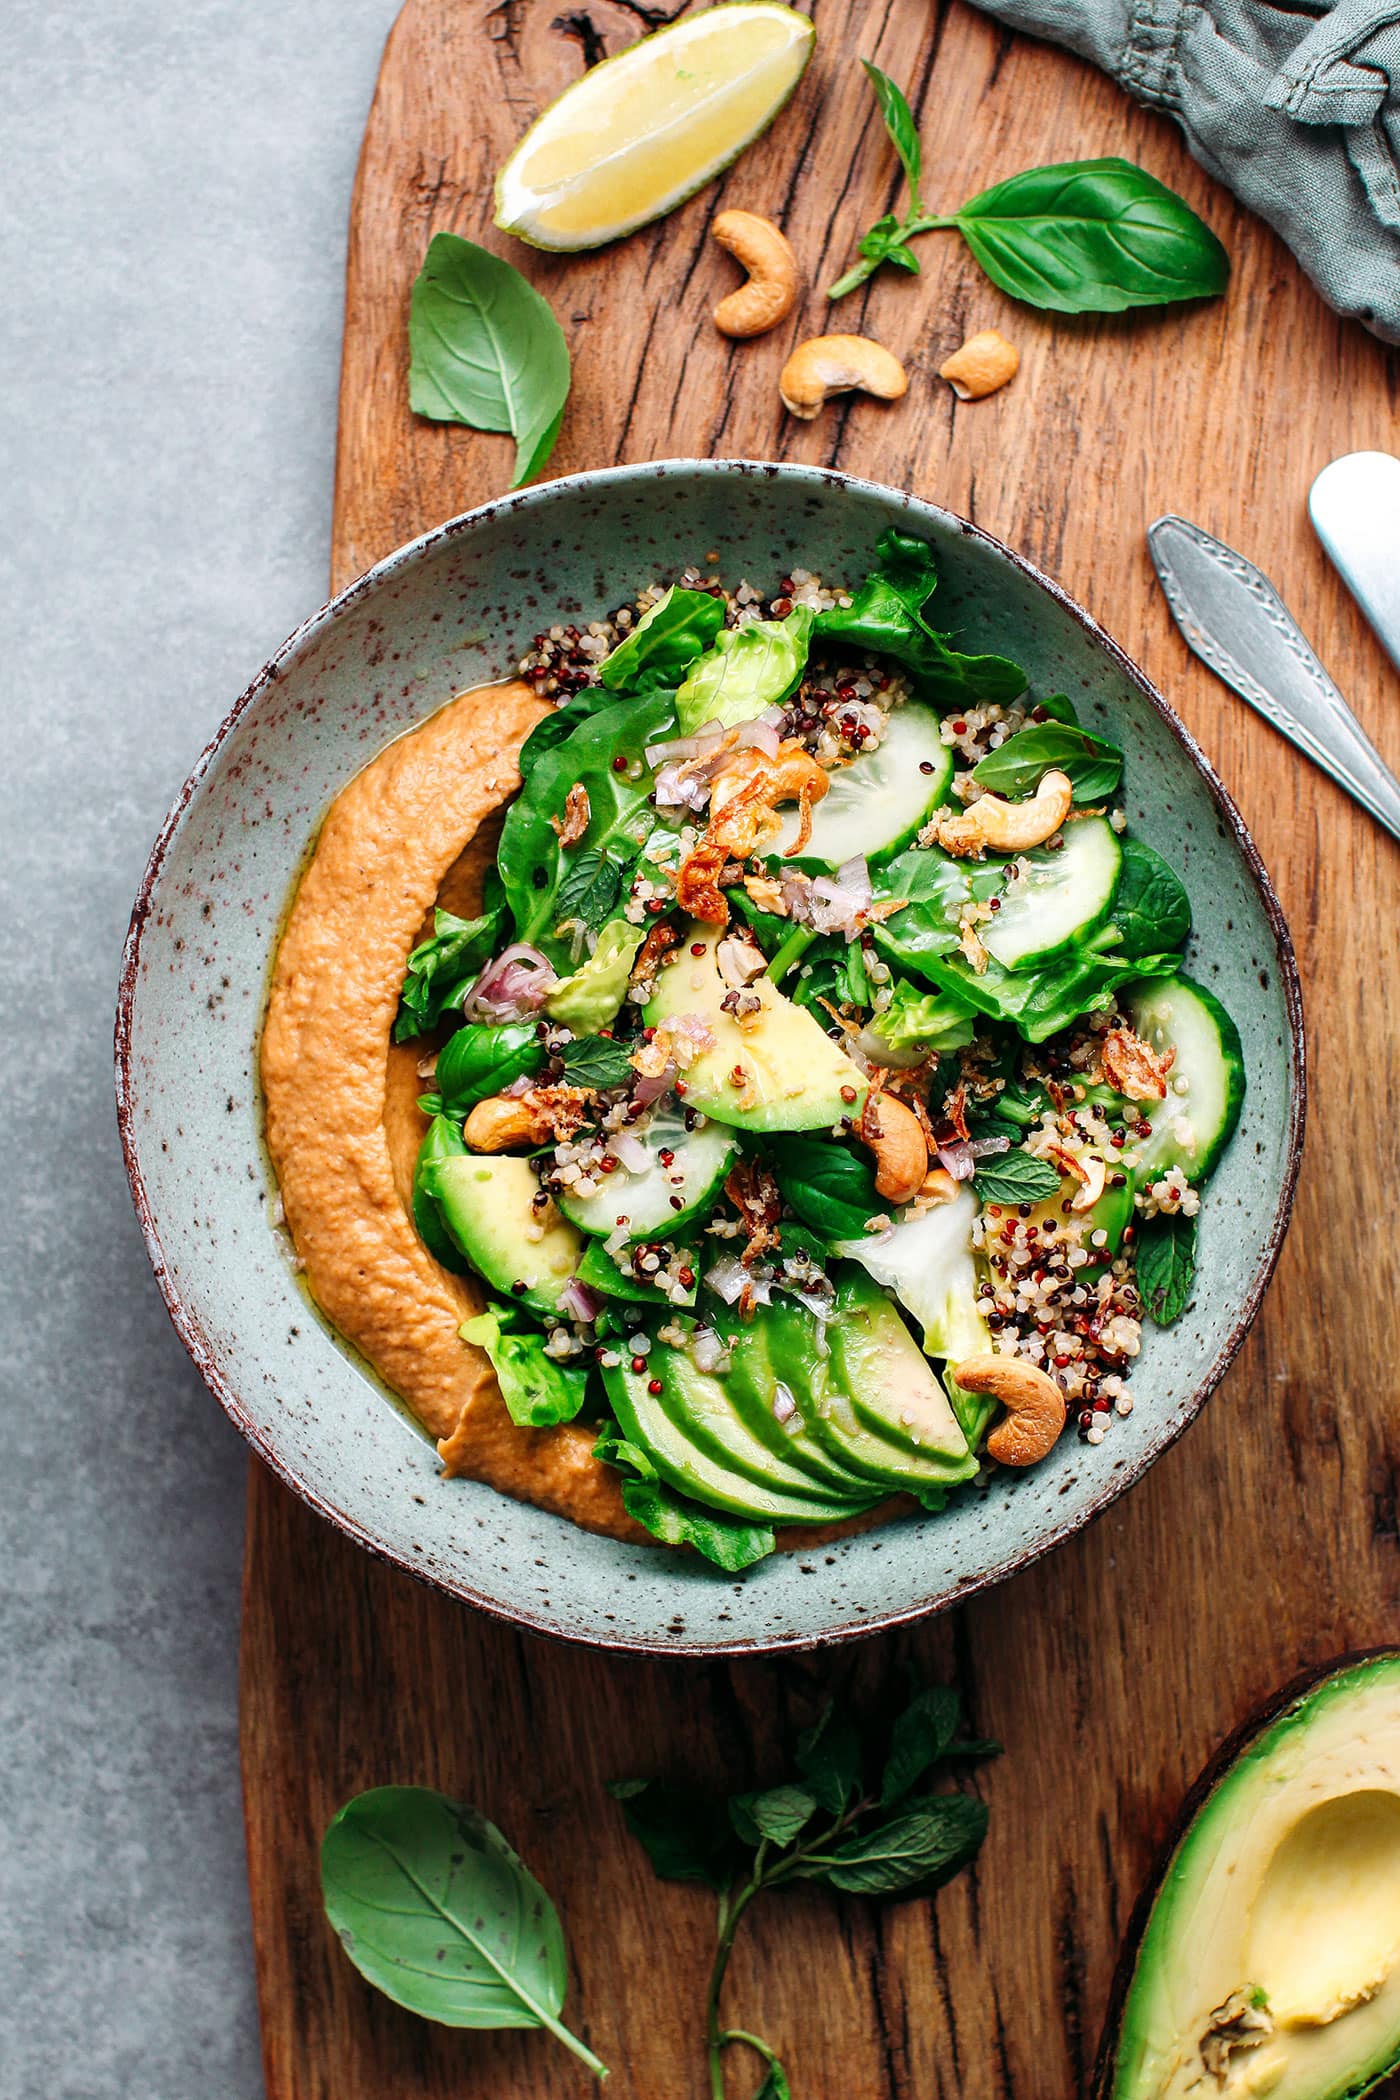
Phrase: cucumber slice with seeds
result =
(1060, 898)
(880, 802)
(663, 1197)
(1205, 1087)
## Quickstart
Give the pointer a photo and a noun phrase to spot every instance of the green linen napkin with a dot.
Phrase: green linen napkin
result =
(1296, 109)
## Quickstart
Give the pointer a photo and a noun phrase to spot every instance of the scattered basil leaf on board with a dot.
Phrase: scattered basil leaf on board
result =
(1091, 764)
(434, 1908)
(1166, 1265)
(1088, 236)
(728, 1542)
(1016, 1177)
(1092, 236)
(486, 350)
(849, 1816)
(539, 1392)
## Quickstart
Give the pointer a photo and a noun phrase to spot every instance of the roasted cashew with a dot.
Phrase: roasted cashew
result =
(505, 1120)
(1094, 1178)
(834, 364)
(985, 362)
(937, 1186)
(765, 252)
(1035, 1406)
(1007, 827)
(894, 1135)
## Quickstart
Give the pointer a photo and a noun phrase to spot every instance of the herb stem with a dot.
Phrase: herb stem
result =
(732, 1906)
(791, 951)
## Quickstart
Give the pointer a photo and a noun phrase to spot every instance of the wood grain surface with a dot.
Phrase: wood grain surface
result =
(1267, 1538)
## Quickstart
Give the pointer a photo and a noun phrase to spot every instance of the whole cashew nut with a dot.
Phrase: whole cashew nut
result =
(985, 362)
(765, 252)
(1035, 1406)
(896, 1138)
(1009, 827)
(505, 1120)
(834, 364)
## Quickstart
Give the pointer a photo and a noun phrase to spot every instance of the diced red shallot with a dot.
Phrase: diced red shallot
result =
(579, 1302)
(989, 1147)
(631, 1151)
(513, 984)
(957, 1157)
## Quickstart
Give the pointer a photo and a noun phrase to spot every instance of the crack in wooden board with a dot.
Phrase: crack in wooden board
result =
(1267, 1538)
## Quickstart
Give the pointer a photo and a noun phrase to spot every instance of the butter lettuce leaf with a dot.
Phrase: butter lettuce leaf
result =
(749, 668)
(537, 1390)
(665, 642)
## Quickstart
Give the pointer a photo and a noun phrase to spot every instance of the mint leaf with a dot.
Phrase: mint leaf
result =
(1166, 1265)
(779, 1813)
(593, 1061)
(920, 1737)
(1015, 1177)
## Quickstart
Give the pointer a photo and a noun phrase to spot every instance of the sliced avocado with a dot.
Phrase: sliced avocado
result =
(647, 1419)
(780, 1072)
(1265, 1958)
(927, 1262)
(704, 1405)
(485, 1204)
(770, 1382)
(892, 1387)
(443, 1141)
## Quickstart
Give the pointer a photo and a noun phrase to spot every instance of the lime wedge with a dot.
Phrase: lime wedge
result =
(643, 131)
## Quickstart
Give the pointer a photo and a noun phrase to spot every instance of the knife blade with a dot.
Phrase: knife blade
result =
(1355, 509)
(1233, 619)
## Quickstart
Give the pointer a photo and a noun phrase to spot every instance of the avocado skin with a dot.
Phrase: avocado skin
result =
(1296, 1694)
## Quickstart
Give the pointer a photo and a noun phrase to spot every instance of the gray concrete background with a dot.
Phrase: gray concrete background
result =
(172, 219)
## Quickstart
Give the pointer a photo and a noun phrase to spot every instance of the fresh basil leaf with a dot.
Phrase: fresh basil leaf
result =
(620, 821)
(552, 728)
(1093, 766)
(728, 1542)
(1016, 1177)
(918, 1741)
(935, 1021)
(748, 669)
(1092, 236)
(538, 1390)
(686, 1835)
(899, 123)
(912, 1853)
(1150, 908)
(477, 1062)
(886, 616)
(589, 888)
(829, 1187)
(592, 1061)
(612, 1280)
(1166, 1265)
(442, 969)
(937, 889)
(885, 243)
(665, 642)
(778, 1813)
(434, 1908)
(486, 350)
(828, 1757)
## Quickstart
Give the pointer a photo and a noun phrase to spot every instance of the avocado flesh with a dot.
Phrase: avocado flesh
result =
(758, 1364)
(650, 1420)
(703, 1405)
(791, 1073)
(1286, 1884)
(892, 1386)
(485, 1203)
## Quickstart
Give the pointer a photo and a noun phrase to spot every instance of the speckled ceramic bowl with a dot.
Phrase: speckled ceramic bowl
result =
(455, 609)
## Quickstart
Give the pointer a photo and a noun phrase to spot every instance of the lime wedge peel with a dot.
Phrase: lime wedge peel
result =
(642, 132)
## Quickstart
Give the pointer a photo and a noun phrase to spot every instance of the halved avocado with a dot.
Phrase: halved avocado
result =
(485, 1203)
(1264, 1955)
(651, 1420)
(781, 1071)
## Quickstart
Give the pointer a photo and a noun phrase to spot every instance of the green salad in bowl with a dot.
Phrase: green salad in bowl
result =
(817, 1094)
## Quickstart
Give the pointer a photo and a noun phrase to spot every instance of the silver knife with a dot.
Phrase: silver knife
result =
(1235, 621)
(1355, 507)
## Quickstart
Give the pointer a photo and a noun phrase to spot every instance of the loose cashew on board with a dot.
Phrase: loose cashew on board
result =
(838, 364)
(985, 362)
(770, 294)
(1035, 1406)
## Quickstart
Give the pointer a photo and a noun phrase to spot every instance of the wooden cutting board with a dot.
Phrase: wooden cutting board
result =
(1268, 1537)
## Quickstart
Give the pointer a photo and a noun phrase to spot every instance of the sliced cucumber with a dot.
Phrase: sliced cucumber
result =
(666, 1194)
(1205, 1087)
(881, 801)
(1061, 897)
(646, 1419)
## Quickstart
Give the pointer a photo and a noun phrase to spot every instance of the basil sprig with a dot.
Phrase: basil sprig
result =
(1088, 236)
(434, 1908)
(486, 350)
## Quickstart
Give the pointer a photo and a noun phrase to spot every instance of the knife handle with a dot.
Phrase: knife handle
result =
(1355, 509)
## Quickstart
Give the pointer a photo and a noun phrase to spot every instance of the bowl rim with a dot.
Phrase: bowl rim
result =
(186, 1321)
